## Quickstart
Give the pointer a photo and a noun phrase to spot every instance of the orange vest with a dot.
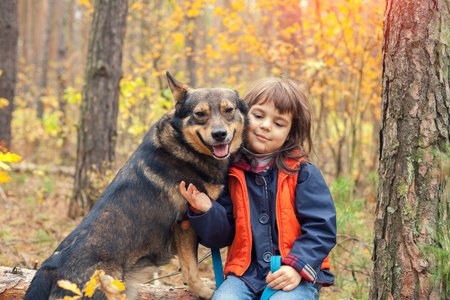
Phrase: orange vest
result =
(240, 252)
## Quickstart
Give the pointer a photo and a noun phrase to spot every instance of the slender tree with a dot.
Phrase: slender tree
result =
(43, 80)
(61, 72)
(100, 98)
(412, 210)
(9, 33)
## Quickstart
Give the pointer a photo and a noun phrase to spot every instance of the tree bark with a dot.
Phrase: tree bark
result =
(413, 205)
(24, 11)
(9, 33)
(45, 59)
(62, 75)
(100, 98)
(14, 284)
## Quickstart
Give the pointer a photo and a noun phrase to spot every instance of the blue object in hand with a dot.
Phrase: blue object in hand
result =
(275, 264)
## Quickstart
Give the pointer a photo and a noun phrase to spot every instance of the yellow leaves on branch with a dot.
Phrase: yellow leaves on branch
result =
(195, 8)
(7, 158)
(178, 39)
(98, 281)
(137, 5)
(86, 3)
(233, 22)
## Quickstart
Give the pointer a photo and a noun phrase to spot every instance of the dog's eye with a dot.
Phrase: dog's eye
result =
(200, 114)
(229, 110)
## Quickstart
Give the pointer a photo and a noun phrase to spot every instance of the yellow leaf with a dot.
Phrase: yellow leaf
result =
(90, 287)
(238, 6)
(89, 290)
(38, 172)
(218, 11)
(330, 61)
(178, 38)
(8, 157)
(276, 70)
(4, 166)
(86, 3)
(137, 5)
(119, 285)
(67, 285)
(4, 177)
(3, 103)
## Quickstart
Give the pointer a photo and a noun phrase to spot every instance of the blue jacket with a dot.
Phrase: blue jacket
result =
(315, 212)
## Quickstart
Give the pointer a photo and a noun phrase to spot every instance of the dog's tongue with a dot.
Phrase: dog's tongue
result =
(221, 150)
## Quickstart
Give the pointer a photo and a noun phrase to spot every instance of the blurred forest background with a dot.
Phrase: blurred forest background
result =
(332, 46)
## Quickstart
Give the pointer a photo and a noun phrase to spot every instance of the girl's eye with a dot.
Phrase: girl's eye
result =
(229, 110)
(257, 116)
(200, 114)
(278, 124)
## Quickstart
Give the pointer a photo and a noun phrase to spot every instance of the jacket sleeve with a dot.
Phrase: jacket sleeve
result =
(215, 227)
(317, 217)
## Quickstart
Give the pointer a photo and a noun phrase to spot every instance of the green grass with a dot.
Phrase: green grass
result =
(351, 258)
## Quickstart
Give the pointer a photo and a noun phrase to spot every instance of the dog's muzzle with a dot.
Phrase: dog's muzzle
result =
(221, 150)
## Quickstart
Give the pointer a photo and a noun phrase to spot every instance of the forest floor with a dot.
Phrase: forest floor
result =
(33, 221)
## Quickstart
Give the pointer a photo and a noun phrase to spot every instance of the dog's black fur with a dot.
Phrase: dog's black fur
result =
(135, 223)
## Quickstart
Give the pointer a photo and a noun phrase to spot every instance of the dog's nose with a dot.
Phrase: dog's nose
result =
(219, 135)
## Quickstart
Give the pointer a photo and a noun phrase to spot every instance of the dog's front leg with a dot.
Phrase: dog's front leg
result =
(186, 240)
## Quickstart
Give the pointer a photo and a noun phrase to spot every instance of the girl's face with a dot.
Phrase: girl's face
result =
(268, 128)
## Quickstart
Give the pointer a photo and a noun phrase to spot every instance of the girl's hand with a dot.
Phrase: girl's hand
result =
(286, 279)
(200, 202)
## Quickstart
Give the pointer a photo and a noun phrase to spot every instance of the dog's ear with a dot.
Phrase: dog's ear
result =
(178, 89)
(241, 104)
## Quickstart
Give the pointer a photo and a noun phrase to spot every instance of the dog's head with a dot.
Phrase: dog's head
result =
(212, 121)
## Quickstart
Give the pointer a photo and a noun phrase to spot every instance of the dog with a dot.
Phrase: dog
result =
(136, 223)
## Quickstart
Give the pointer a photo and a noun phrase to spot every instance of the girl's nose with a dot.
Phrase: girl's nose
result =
(265, 125)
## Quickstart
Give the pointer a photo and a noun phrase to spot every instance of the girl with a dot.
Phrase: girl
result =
(276, 203)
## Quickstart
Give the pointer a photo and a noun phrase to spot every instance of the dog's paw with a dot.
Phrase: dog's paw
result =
(205, 293)
(209, 284)
(203, 288)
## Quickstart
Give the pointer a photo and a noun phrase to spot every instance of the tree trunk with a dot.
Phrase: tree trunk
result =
(412, 209)
(9, 33)
(100, 98)
(45, 58)
(62, 75)
(15, 282)
(24, 29)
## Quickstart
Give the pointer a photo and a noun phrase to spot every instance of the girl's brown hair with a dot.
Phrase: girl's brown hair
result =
(287, 97)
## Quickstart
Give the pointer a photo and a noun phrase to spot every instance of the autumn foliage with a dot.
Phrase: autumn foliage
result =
(98, 281)
(332, 46)
(4, 168)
